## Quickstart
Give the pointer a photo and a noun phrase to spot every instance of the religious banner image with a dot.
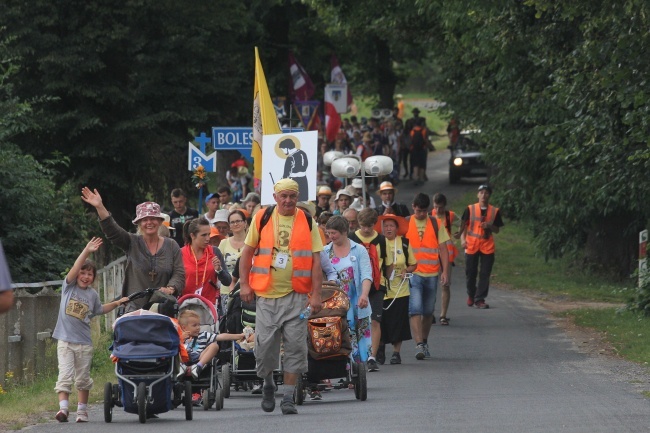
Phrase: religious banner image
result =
(292, 156)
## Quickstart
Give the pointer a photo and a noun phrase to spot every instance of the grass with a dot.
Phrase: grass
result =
(23, 404)
(628, 332)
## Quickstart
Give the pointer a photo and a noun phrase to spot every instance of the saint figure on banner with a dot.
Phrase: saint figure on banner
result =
(295, 166)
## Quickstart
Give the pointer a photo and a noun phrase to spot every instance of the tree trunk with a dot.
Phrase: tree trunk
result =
(385, 75)
(611, 246)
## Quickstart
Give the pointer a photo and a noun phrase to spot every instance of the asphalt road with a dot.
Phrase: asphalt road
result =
(506, 369)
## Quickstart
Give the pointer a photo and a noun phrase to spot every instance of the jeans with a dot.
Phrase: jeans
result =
(422, 299)
(472, 271)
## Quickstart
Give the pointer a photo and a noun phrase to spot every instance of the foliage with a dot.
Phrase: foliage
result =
(640, 302)
(560, 89)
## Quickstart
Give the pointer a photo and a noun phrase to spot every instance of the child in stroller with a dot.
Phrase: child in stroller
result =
(198, 321)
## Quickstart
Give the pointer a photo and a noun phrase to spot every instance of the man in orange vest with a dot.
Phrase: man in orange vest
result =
(445, 219)
(280, 263)
(478, 224)
(429, 244)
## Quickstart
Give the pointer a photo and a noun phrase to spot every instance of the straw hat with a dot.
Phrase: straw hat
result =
(402, 225)
(324, 190)
(386, 185)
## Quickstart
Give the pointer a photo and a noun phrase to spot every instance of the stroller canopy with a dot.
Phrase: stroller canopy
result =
(140, 337)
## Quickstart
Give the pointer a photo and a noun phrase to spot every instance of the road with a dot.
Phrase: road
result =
(506, 369)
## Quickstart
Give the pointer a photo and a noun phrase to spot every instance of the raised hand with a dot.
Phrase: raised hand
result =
(94, 244)
(91, 197)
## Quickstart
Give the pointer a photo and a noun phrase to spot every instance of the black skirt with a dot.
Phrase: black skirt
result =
(395, 325)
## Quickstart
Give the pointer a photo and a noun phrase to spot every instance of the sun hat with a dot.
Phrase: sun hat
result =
(221, 216)
(402, 225)
(341, 192)
(324, 190)
(252, 196)
(147, 209)
(214, 232)
(357, 183)
(242, 171)
(386, 185)
(351, 190)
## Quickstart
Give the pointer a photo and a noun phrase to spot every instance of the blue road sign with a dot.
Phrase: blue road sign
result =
(195, 158)
(237, 138)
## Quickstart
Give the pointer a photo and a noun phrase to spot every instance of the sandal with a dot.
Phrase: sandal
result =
(444, 321)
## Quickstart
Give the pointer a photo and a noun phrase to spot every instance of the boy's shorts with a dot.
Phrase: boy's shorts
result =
(194, 356)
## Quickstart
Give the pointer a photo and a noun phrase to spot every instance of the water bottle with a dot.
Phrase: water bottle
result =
(304, 314)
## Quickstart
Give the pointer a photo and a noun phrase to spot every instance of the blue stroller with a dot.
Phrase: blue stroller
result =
(146, 348)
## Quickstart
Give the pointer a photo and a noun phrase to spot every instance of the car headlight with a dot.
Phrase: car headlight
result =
(458, 162)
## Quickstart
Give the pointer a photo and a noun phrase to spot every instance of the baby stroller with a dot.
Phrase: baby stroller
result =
(146, 346)
(208, 382)
(330, 348)
(238, 366)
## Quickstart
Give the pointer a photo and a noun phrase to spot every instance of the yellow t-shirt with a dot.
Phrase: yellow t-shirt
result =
(389, 259)
(230, 256)
(281, 278)
(399, 265)
(443, 237)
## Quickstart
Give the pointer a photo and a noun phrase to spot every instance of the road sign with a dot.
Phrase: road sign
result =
(195, 158)
(237, 138)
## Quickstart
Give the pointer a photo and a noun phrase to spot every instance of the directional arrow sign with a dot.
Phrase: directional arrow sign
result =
(195, 158)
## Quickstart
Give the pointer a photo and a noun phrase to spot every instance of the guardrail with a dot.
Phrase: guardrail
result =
(26, 329)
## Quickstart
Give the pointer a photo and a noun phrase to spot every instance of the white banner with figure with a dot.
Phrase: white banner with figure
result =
(291, 155)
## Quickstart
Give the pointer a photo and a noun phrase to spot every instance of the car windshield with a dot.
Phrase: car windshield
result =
(466, 144)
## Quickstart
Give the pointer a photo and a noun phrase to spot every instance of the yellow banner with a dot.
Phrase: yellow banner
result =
(265, 121)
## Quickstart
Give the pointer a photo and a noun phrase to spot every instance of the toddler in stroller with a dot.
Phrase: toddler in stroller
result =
(198, 322)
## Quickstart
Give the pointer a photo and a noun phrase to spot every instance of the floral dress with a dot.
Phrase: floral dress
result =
(359, 326)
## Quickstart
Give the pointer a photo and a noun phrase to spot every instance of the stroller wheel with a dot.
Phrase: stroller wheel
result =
(108, 402)
(187, 400)
(207, 400)
(225, 380)
(142, 402)
(361, 383)
(218, 398)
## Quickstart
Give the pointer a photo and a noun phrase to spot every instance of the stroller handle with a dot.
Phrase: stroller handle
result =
(138, 295)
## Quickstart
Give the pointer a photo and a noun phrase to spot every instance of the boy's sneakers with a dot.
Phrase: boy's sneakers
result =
(470, 301)
(427, 354)
(196, 371)
(395, 359)
(482, 305)
(419, 352)
(82, 416)
(62, 415)
(181, 372)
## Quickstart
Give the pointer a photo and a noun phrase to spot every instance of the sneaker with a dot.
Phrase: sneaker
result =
(181, 372)
(62, 415)
(381, 354)
(427, 354)
(82, 416)
(470, 301)
(419, 352)
(257, 389)
(482, 305)
(372, 365)
(197, 400)
(288, 408)
(395, 359)
(315, 395)
(268, 398)
(196, 371)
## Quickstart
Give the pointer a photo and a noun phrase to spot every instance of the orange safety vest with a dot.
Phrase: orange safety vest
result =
(442, 221)
(301, 255)
(475, 236)
(426, 250)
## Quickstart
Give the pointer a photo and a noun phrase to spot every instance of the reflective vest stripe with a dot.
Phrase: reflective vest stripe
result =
(258, 270)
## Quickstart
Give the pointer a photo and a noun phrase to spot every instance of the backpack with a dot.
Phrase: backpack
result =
(417, 138)
(239, 314)
(374, 257)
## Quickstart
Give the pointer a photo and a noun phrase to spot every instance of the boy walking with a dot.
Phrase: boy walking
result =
(79, 303)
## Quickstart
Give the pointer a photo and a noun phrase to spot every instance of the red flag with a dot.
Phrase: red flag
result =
(338, 77)
(301, 89)
(332, 119)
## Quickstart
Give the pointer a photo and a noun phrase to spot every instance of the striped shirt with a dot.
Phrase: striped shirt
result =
(198, 344)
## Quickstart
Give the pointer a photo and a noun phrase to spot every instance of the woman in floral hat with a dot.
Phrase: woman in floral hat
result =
(152, 260)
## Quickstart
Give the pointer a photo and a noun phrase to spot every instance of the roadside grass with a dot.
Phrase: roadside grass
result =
(24, 404)
(519, 266)
(628, 332)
